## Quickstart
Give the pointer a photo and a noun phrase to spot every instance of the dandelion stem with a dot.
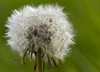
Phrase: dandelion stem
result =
(38, 61)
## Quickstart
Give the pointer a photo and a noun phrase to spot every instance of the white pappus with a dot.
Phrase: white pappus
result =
(45, 27)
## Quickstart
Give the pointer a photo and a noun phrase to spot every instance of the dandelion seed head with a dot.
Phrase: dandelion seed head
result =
(46, 27)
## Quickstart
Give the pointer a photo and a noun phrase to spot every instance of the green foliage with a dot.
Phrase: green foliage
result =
(85, 54)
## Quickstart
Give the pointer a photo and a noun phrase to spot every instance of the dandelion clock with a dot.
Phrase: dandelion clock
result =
(43, 33)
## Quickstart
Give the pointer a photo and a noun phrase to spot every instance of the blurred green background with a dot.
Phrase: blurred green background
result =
(85, 54)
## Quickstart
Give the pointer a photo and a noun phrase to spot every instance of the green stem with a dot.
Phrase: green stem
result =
(38, 61)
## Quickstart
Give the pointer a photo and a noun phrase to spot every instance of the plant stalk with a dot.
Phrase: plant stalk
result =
(38, 61)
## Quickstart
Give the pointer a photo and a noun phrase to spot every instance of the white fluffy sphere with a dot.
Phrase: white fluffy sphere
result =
(45, 27)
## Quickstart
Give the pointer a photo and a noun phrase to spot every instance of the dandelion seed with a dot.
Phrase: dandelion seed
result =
(42, 32)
